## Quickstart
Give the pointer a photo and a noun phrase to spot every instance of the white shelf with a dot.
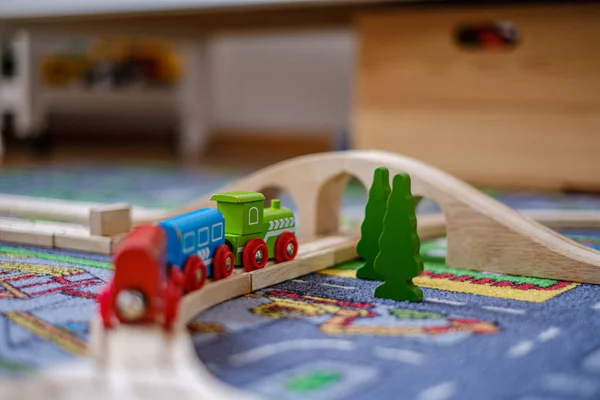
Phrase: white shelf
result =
(8, 94)
(76, 100)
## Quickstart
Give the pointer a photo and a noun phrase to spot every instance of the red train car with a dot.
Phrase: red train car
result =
(142, 289)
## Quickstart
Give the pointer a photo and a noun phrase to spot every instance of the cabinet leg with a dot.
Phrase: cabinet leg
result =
(194, 100)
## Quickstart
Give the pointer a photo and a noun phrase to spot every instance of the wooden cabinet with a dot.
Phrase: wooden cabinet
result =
(522, 116)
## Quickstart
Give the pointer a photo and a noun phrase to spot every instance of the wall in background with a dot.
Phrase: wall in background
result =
(283, 82)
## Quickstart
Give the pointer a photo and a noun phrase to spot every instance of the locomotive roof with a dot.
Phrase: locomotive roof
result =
(238, 197)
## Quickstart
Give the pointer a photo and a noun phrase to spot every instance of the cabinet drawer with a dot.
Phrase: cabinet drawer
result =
(522, 115)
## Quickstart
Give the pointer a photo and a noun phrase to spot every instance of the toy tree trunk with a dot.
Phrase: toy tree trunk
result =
(368, 246)
(399, 259)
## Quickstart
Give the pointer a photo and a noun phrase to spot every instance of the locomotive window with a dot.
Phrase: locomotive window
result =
(188, 242)
(217, 231)
(203, 236)
(253, 216)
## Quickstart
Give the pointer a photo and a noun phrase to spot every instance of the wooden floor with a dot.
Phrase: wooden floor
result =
(225, 149)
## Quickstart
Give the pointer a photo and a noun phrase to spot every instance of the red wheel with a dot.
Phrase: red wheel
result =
(255, 254)
(223, 262)
(106, 311)
(171, 303)
(286, 247)
(195, 273)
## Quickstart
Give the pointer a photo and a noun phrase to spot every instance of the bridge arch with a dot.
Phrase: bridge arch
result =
(482, 233)
(329, 203)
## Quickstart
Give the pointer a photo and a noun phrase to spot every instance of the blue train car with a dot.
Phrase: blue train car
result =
(199, 233)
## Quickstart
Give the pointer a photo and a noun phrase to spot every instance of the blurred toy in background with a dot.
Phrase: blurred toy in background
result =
(113, 63)
(63, 69)
(488, 35)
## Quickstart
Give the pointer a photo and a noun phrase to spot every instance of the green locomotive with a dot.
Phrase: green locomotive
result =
(254, 233)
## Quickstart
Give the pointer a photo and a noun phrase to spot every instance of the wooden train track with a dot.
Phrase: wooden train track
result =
(146, 362)
(483, 234)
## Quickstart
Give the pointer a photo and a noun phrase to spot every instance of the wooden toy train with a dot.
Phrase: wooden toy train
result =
(155, 264)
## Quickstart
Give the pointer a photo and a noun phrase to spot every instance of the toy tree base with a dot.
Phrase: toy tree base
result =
(367, 271)
(401, 292)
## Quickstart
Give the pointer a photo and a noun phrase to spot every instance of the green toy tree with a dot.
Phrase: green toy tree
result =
(368, 246)
(399, 260)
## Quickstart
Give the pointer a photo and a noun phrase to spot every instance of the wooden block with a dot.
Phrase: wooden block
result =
(345, 252)
(98, 340)
(110, 220)
(313, 255)
(213, 293)
(115, 240)
(53, 234)
(25, 236)
(92, 244)
(307, 247)
(574, 219)
(42, 226)
(277, 273)
(43, 233)
(430, 226)
(36, 207)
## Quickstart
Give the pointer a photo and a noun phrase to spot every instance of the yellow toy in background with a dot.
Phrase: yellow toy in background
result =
(63, 69)
(117, 62)
(168, 66)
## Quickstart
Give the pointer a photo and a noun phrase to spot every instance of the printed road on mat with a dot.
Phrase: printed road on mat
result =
(324, 336)
(476, 335)
(47, 297)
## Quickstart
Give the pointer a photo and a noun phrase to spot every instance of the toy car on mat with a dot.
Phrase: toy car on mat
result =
(155, 263)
